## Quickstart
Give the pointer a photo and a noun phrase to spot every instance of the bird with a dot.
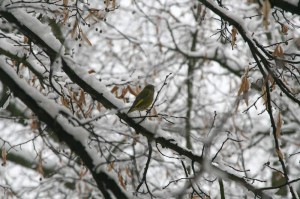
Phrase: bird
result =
(143, 100)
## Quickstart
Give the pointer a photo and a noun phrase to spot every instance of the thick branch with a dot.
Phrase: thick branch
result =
(237, 22)
(104, 181)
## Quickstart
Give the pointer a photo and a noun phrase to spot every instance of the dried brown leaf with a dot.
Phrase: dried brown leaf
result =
(278, 125)
(234, 33)
(33, 80)
(91, 71)
(85, 38)
(244, 87)
(83, 172)
(66, 11)
(196, 196)
(280, 154)
(284, 29)
(107, 2)
(15, 63)
(114, 89)
(272, 82)
(73, 96)
(121, 180)
(131, 91)
(73, 32)
(65, 2)
(128, 172)
(88, 113)
(278, 52)
(34, 124)
(265, 11)
(66, 16)
(96, 14)
(64, 101)
(89, 15)
(264, 95)
(4, 156)
(114, 4)
(26, 40)
(124, 92)
(110, 166)
(40, 165)
(82, 97)
(99, 105)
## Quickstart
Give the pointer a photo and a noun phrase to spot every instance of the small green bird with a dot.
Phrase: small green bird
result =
(143, 100)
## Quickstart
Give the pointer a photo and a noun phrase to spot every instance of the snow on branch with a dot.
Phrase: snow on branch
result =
(59, 119)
